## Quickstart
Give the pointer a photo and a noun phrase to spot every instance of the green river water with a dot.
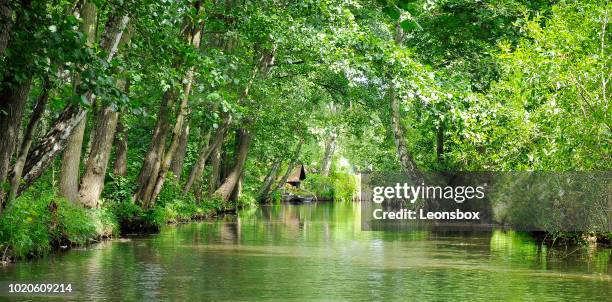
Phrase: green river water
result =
(318, 252)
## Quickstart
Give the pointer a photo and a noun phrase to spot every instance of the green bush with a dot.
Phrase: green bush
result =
(321, 186)
(214, 203)
(276, 197)
(246, 201)
(171, 192)
(126, 210)
(74, 223)
(118, 189)
(105, 221)
(565, 202)
(344, 186)
(33, 223)
(336, 187)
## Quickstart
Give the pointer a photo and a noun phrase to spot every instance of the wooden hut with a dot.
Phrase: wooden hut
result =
(297, 175)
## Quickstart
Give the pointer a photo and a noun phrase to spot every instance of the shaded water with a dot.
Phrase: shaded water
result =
(318, 252)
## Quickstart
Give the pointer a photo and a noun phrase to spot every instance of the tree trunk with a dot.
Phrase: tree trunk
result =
(330, 148)
(49, 146)
(157, 163)
(28, 137)
(5, 25)
(440, 143)
(13, 100)
(262, 68)
(163, 159)
(92, 183)
(225, 190)
(71, 159)
(179, 158)
(406, 161)
(263, 193)
(226, 166)
(95, 117)
(150, 166)
(198, 168)
(235, 196)
(114, 34)
(121, 148)
(215, 170)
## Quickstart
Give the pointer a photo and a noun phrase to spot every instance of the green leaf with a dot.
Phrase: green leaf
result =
(412, 8)
(405, 3)
(213, 97)
(84, 100)
(408, 25)
(392, 12)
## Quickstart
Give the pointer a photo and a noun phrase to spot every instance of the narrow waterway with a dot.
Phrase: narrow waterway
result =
(318, 252)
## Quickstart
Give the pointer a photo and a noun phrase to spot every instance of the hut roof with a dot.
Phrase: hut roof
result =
(298, 174)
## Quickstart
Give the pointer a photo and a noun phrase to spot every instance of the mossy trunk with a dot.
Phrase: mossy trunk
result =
(226, 189)
(121, 149)
(151, 165)
(406, 161)
(95, 169)
(13, 100)
(28, 137)
(264, 192)
(5, 25)
(71, 159)
(198, 168)
(179, 158)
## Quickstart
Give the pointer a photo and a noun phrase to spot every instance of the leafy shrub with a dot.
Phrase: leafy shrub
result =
(125, 211)
(155, 216)
(105, 221)
(33, 223)
(276, 197)
(134, 219)
(337, 186)
(214, 203)
(74, 223)
(344, 186)
(246, 201)
(566, 202)
(321, 186)
(119, 189)
(170, 192)
(24, 227)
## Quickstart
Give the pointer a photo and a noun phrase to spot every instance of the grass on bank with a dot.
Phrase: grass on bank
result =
(40, 221)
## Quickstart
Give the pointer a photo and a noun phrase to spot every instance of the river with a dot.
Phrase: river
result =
(318, 252)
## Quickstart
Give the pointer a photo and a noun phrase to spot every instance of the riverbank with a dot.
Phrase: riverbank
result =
(38, 224)
(591, 239)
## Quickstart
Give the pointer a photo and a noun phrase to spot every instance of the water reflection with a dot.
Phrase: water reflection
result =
(318, 250)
